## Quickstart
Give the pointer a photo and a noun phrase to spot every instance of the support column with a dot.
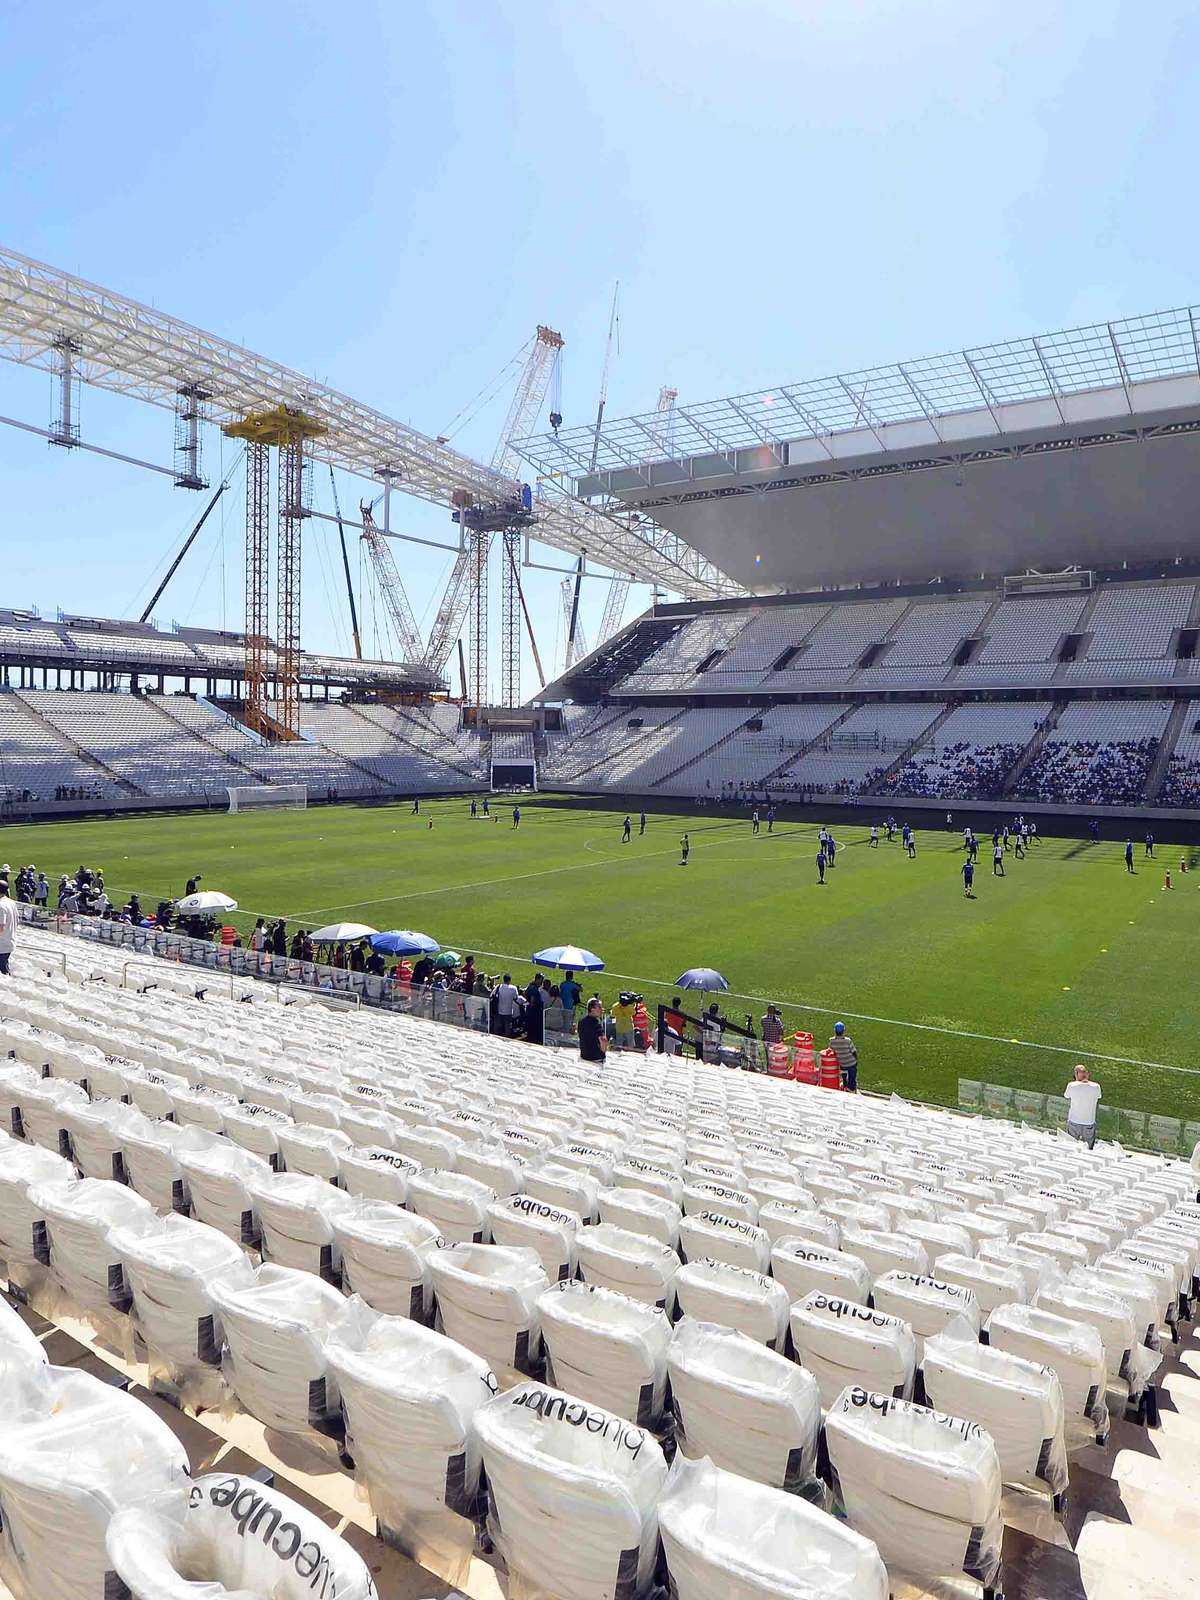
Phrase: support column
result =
(478, 565)
(292, 510)
(258, 531)
(510, 621)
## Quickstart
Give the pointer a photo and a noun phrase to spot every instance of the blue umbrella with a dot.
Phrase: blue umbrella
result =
(570, 956)
(404, 942)
(706, 978)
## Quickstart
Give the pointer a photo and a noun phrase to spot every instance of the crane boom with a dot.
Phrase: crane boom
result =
(614, 608)
(408, 637)
(526, 405)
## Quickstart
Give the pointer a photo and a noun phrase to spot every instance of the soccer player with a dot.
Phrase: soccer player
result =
(1129, 855)
(912, 845)
(968, 877)
(474, 809)
(949, 821)
(416, 810)
(998, 863)
(487, 809)
(1005, 836)
(831, 849)
(1019, 847)
(641, 824)
(974, 850)
(770, 819)
(821, 863)
(685, 849)
(1033, 833)
(516, 822)
(754, 819)
(1149, 850)
(874, 837)
(627, 831)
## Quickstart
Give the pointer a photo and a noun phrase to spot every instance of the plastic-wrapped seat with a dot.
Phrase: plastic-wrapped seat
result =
(631, 1263)
(73, 1451)
(296, 1215)
(80, 1216)
(433, 1148)
(574, 1493)
(796, 1222)
(796, 1551)
(256, 1129)
(721, 1198)
(1065, 1253)
(883, 1252)
(96, 1130)
(744, 1406)
(607, 1348)
(170, 1265)
(230, 1535)
(1075, 1351)
(568, 1188)
(410, 1396)
(636, 1173)
(1019, 1402)
(937, 1238)
(487, 1299)
(802, 1267)
(1126, 1357)
(218, 1182)
(1138, 1296)
(1037, 1270)
(715, 1236)
(734, 1297)
(24, 1168)
(640, 1211)
(922, 1485)
(841, 1342)
(376, 1173)
(522, 1221)
(991, 1283)
(384, 1255)
(491, 1163)
(311, 1151)
(275, 1329)
(929, 1304)
(44, 1107)
(21, 1351)
(1150, 1269)
(455, 1204)
(15, 1078)
(151, 1155)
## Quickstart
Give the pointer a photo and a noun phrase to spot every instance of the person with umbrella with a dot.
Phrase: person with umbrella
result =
(569, 992)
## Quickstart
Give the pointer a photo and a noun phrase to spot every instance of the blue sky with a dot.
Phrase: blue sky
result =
(391, 196)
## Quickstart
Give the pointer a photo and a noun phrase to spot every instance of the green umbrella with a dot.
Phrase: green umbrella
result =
(448, 960)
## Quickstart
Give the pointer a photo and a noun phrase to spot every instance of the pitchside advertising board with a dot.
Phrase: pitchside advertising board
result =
(1175, 1136)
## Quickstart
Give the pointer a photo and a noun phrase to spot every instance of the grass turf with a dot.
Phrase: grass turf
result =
(1068, 951)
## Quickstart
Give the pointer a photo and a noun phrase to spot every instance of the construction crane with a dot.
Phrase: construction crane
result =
(391, 587)
(465, 594)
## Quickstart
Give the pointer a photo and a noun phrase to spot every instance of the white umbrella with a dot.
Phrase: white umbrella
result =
(339, 932)
(206, 900)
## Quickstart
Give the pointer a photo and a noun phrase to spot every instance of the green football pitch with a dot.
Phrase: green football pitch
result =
(1067, 957)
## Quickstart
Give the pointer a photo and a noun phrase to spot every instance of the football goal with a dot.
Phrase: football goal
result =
(268, 796)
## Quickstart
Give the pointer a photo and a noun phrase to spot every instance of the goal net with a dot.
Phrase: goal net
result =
(268, 797)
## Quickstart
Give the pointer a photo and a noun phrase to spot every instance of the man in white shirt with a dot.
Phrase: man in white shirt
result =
(1082, 1097)
(8, 926)
(508, 1004)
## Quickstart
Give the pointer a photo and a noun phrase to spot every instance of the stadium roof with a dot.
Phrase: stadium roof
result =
(978, 460)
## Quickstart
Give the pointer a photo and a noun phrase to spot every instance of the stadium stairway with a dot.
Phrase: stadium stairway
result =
(919, 743)
(1025, 759)
(86, 756)
(411, 744)
(238, 770)
(703, 755)
(1180, 712)
(624, 711)
(794, 755)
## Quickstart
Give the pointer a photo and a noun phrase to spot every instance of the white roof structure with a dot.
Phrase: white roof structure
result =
(118, 344)
(915, 461)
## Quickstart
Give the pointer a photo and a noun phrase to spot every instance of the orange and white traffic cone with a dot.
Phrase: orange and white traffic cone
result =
(1167, 879)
